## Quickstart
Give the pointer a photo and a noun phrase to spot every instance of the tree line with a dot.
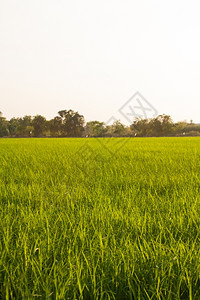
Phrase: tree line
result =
(69, 123)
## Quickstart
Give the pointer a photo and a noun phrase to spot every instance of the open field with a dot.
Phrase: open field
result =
(99, 219)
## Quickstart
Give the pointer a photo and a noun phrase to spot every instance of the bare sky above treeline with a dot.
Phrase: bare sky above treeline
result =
(91, 56)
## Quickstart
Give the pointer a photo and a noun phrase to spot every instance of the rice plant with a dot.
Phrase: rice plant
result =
(100, 218)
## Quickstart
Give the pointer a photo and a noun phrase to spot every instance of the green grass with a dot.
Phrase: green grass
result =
(89, 219)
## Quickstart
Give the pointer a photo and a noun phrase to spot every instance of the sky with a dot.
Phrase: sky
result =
(92, 56)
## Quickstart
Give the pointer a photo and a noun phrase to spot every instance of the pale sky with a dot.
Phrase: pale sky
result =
(92, 56)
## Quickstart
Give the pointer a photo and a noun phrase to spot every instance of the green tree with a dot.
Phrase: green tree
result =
(118, 129)
(20, 126)
(140, 126)
(166, 123)
(4, 126)
(39, 125)
(72, 123)
(95, 129)
(162, 125)
(13, 125)
(56, 126)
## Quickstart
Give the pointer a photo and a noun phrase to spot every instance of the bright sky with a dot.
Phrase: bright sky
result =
(92, 56)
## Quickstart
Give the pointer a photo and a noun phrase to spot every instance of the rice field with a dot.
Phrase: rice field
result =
(110, 218)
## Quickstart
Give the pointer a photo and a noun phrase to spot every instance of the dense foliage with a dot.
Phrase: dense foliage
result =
(71, 124)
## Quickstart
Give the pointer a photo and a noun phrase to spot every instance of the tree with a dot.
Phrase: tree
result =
(29, 131)
(166, 124)
(162, 125)
(4, 128)
(62, 114)
(13, 125)
(155, 127)
(21, 126)
(27, 126)
(39, 125)
(118, 129)
(56, 126)
(140, 126)
(72, 123)
(95, 129)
